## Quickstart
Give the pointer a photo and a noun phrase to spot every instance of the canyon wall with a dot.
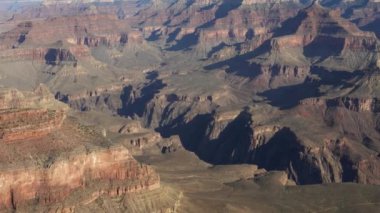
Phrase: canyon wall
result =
(56, 159)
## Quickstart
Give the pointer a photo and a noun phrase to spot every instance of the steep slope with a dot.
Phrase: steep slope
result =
(323, 38)
(315, 38)
(52, 163)
(25, 116)
(205, 25)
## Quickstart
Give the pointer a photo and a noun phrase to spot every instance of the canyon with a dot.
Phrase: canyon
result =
(189, 106)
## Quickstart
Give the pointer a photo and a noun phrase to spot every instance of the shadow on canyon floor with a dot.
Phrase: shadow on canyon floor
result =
(287, 97)
(130, 105)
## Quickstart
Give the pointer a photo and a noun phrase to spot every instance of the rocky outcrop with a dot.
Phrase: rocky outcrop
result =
(274, 76)
(278, 148)
(110, 40)
(320, 27)
(368, 171)
(113, 167)
(30, 115)
(106, 98)
(233, 137)
(205, 25)
(51, 56)
(67, 39)
(15, 37)
(46, 145)
(27, 124)
(350, 103)
(91, 30)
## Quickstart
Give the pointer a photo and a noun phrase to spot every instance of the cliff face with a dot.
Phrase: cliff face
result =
(91, 30)
(67, 39)
(321, 36)
(203, 26)
(25, 116)
(351, 103)
(51, 56)
(20, 125)
(235, 138)
(47, 186)
(317, 25)
(54, 157)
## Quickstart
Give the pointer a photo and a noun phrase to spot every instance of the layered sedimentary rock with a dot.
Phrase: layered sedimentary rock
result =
(103, 98)
(239, 140)
(89, 30)
(67, 38)
(321, 34)
(341, 136)
(114, 168)
(351, 103)
(208, 26)
(53, 157)
(318, 24)
(26, 116)
(45, 55)
(16, 125)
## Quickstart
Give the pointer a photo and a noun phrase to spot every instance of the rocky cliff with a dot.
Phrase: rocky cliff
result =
(54, 156)
(113, 170)
(25, 116)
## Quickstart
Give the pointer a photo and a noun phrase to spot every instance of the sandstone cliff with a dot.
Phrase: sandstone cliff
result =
(29, 115)
(46, 157)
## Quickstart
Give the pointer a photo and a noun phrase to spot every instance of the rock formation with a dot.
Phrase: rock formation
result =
(27, 116)
(54, 156)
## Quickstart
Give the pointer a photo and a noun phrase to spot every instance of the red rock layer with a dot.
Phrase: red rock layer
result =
(114, 170)
(323, 27)
(28, 123)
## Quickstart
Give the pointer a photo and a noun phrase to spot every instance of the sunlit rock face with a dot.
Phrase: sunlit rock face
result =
(53, 156)
(29, 115)
(48, 186)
